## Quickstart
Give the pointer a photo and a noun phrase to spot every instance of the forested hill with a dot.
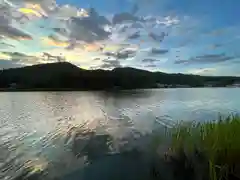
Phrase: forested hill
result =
(57, 76)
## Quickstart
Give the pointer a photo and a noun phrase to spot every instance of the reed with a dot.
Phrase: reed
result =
(218, 141)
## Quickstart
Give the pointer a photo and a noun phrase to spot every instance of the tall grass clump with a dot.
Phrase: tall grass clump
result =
(218, 141)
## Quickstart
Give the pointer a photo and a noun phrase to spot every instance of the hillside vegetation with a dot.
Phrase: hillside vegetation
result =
(65, 75)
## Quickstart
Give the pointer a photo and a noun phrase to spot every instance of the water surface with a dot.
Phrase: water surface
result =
(37, 128)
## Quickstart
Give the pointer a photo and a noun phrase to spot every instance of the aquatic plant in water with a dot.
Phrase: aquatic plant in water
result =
(218, 141)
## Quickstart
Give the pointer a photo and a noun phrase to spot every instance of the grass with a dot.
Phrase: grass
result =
(218, 142)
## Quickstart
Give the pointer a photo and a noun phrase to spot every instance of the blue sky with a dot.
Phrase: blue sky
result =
(197, 37)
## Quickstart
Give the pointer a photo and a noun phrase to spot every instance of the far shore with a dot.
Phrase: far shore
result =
(74, 89)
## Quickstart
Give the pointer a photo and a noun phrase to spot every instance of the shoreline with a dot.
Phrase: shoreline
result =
(67, 77)
(108, 90)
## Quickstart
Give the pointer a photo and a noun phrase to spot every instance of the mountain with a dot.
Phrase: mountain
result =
(63, 75)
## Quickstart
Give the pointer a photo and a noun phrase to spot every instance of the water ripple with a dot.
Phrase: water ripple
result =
(62, 131)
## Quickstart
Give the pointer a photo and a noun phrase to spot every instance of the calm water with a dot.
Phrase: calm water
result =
(37, 128)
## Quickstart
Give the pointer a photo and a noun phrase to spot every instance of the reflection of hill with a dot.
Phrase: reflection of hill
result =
(57, 76)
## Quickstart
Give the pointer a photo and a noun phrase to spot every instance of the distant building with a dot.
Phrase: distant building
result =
(161, 85)
(182, 86)
(210, 84)
(236, 84)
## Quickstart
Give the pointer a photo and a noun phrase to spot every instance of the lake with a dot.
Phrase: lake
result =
(37, 128)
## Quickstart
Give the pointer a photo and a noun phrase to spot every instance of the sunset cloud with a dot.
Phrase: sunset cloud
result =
(13, 33)
(52, 41)
(4, 56)
(110, 34)
(28, 11)
(202, 71)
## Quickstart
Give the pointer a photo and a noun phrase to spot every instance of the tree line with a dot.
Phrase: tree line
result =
(64, 75)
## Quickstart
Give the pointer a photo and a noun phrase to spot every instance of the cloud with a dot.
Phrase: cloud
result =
(75, 56)
(181, 61)
(205, 59)
(110, 64)
(135, 35)
(137, 25)
(54, 41)
(61, 31)
(4, 45)
(48, 57)
(88, 47)
(79, 24)
(150, 66)
(17, 59)
(5, 64)
(102, 20)
(58, 31)
(30, 12)
(124, 17)
(65, 12)
(158, 51)
(122, 53)
(4, 56)
(87, 29)
(92, 47)
(6, 14)
(110, 54)
(123, 28)
(16, 56)
(158, 21)
(47, 5)
(149, 60)
(7, 31)
(202, 71)
(169, 21)
(115, 47)
(157, 37)
(126, 54)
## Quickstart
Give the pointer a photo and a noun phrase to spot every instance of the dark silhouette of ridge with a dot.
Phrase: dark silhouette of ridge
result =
(64, 75)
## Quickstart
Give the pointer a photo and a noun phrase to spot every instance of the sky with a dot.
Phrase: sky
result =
(173, 36)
